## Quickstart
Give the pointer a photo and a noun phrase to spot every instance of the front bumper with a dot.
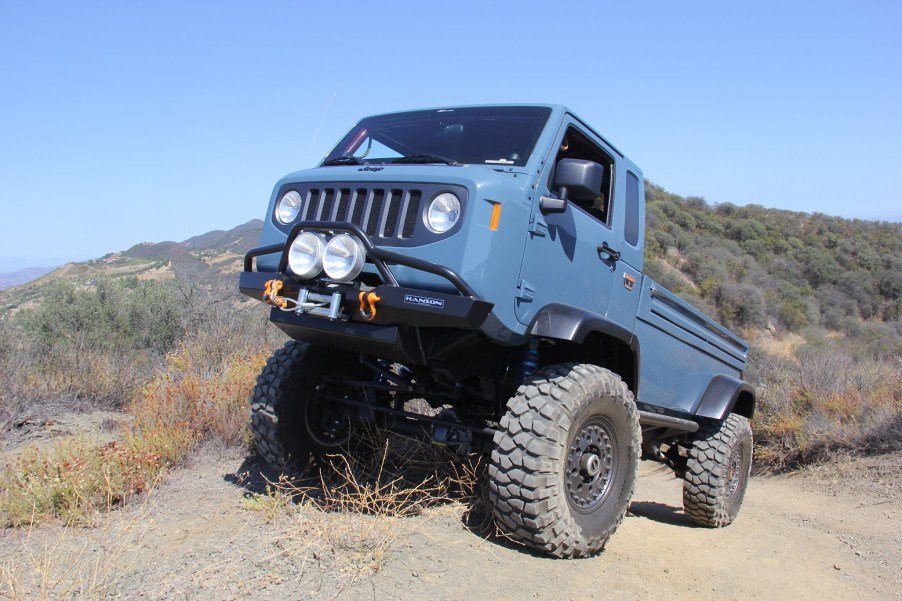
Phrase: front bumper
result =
(383, 321)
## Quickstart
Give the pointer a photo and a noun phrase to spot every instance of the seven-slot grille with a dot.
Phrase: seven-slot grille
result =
(382, 212)
(390, 213)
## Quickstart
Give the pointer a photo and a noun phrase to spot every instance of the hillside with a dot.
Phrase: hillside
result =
(776, 271)
(207, 257)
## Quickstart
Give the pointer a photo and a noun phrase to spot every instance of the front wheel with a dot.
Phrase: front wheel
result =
(717, 472)
(564, 465)
(290, 419)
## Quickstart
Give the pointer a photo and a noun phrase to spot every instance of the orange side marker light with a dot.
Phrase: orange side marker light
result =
(496, 217)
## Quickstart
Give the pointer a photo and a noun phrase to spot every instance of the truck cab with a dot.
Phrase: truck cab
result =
(488, 260)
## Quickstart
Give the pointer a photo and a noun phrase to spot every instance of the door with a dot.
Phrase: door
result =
(562, 262)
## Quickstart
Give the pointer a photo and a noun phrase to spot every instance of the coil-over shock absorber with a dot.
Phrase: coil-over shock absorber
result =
(529, 361)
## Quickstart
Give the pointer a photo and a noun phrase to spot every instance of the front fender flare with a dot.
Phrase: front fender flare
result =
(566, 322)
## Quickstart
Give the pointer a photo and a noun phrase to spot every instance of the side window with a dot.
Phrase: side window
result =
(631, 228)
(577, 145)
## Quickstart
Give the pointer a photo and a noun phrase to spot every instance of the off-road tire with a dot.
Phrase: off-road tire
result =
(717, 472)
(281, 405)
(553, 425)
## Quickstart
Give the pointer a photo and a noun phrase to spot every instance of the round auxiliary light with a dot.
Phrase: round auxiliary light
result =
(288, 207)
(443, 212)
(344, 257)
(305, 256)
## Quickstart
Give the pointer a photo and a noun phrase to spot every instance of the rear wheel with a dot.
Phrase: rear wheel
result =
(290, 420)
(564, 465)
(717, 472)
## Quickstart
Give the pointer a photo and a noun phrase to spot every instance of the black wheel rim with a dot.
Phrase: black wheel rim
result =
(327, 425)
(591, 465)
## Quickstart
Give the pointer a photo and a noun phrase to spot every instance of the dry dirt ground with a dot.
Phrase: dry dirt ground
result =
(829, 533)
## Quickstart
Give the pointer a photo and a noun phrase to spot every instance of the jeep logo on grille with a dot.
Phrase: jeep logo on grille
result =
(435, 303)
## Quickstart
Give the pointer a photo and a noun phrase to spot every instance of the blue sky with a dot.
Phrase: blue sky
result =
(123, 122)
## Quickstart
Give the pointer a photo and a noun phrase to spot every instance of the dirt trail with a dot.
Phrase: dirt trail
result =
(836, 533)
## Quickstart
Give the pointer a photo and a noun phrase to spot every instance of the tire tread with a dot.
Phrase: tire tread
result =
(705, 480)
(529, 448)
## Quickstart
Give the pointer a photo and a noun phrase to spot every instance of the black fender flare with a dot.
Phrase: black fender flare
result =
(725, 395)
(566, 322)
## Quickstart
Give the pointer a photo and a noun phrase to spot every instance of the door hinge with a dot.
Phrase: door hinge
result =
(525, 290)
(538, 226)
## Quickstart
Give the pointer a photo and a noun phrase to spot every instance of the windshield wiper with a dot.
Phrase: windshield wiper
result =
(424, 157)
(344, 159)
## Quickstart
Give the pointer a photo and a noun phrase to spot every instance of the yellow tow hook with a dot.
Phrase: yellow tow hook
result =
(368, 299)
(271, 294)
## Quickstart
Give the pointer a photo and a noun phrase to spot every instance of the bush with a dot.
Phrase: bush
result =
(181, 358)
(823, 402)
(106, 315)
(95, 342)
(740, 305)
(76, 478)
(794, 314)
(209, 405)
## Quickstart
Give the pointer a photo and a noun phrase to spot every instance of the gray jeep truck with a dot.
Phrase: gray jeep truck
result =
(488, 259)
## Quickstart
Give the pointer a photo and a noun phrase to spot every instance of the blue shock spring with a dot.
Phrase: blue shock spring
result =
(530, 360)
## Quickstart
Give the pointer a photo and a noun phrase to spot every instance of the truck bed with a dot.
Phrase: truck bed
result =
(682, 350)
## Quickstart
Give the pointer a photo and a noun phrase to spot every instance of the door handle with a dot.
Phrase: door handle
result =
(613, 255)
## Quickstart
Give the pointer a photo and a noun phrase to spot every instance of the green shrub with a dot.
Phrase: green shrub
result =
(105, 315)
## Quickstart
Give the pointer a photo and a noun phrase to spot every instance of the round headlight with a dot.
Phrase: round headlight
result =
(443, 213)
(343, 258)
(288, 207)
(305, 257)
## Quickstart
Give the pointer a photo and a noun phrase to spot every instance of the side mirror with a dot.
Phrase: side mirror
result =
(578, 178)
(573, 177)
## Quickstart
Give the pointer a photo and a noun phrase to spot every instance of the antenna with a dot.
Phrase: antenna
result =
(323, 118)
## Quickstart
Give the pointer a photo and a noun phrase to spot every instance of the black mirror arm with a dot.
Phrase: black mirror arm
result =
(550, 204)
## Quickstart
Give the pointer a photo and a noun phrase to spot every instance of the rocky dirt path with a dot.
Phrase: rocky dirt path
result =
(832, 533)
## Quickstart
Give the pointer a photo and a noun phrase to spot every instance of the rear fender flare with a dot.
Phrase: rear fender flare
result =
(726, 395)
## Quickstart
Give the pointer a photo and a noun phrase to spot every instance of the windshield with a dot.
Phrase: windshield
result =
(502, 135)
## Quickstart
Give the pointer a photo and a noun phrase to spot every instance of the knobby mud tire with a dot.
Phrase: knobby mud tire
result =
(717, 472)
(281, 401)
(563, 416)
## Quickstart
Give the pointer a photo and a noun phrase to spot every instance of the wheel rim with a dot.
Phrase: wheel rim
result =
(327, 425)
(591, 465)
(734, 478)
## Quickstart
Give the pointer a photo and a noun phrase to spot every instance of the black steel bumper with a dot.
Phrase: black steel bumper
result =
(382, 321)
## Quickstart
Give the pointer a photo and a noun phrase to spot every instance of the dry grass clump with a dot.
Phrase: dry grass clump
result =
(50, 563)
(825, 402)
(351, 512)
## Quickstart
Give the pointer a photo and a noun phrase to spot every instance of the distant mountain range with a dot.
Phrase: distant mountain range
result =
(8, 280)
(236, 240)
